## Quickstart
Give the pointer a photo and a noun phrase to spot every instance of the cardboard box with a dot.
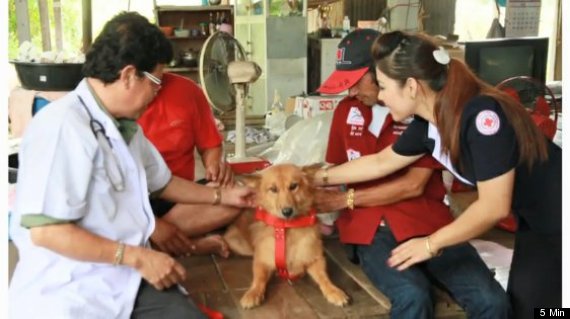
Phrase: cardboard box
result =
(309, 106)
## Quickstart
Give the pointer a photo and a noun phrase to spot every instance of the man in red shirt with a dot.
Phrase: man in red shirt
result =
(378, 215)
(178, 121)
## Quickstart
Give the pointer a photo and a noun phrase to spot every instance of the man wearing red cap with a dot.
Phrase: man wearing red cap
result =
(378, 215)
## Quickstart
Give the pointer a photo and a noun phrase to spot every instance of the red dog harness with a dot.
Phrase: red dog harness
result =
(279, 225)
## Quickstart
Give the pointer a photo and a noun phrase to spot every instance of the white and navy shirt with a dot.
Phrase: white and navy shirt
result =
(488, 149)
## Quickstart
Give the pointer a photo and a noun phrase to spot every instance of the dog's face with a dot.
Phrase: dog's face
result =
(283, 190)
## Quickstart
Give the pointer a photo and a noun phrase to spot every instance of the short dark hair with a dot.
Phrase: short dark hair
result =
(127, 39)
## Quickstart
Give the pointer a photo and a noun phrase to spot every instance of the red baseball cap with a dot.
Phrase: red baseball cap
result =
(353, 60)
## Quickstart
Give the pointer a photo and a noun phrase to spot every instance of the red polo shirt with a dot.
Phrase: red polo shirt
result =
(349, 138)
(178, 120)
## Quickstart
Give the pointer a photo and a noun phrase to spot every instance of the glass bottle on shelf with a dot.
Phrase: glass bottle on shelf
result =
(211, 24)
(218, 21)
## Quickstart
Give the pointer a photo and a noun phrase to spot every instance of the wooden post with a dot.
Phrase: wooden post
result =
(558, 46)
(57, 20)
(87, 33)
(23, 21)
(44, 22)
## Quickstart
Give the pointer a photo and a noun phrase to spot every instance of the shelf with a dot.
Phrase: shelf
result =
(194, 8)
(201, 37)
(181, 69)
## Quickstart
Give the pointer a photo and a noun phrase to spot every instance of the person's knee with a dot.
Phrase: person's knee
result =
(412, 302)
(490, 304)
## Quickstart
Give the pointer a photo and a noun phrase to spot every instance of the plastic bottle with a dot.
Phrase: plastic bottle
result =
(346, 24)
(276, 117)
(277, 105)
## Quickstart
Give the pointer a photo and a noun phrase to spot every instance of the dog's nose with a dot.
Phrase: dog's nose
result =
(287, 211)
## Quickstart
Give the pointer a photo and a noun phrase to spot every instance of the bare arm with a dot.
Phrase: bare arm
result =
(410, 185)
(211, 156)
(366, 168)
(74, 242)
(179, 190)
(217, 170)
(493, 204)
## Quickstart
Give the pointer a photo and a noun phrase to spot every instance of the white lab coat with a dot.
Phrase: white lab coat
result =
(62, 175)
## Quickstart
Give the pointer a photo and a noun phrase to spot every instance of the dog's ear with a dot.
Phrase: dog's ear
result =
(251, 180)
(310, 170)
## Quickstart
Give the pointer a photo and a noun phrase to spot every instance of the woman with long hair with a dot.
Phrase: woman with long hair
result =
(486, 139)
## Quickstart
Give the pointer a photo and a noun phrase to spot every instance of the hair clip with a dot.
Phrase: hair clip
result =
(441, 56)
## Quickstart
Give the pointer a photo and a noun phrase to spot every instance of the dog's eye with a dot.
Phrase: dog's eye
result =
(293, 186)
(273, 189)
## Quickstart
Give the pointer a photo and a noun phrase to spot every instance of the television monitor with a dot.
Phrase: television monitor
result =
(495, 60)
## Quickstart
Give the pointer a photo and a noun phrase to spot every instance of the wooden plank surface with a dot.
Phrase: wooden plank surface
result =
(220, 283)
(202, 275)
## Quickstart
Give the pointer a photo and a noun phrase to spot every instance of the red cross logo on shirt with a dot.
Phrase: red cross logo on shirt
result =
(487, 122)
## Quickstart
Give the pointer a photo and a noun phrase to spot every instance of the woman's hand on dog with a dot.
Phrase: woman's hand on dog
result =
(159, 269)
(169, 239)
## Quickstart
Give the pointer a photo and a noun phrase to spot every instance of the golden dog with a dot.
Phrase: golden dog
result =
(285, 192)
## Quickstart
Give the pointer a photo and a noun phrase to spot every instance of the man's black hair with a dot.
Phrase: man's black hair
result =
(126, 39)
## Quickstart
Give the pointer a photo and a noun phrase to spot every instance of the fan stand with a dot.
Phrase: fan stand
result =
(241, 75)
(239, 154)
(223, 63)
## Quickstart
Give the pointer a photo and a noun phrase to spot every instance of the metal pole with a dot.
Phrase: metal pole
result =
(23, 21)
(87, 33)
(57, 20)
(44, 22)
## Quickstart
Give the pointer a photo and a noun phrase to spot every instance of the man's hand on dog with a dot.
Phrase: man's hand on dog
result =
(220, 173)
(169, 239)
(238, 196)
(329, 199)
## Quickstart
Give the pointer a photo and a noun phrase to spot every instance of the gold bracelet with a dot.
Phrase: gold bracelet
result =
(119, 253)
(431, 252)
(350, 198)
(217, 196)
(326, 176)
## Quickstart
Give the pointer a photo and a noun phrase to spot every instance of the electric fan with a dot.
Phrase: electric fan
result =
(225, 75)
(537, 98)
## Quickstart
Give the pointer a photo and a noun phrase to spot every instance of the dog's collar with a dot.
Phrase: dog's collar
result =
(279, 226)
(272, 220)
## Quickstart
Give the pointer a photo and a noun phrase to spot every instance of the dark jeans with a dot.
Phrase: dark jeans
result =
(459, 270)
(166, 304)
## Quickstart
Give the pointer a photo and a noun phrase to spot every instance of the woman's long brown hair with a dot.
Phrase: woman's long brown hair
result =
(401, 56)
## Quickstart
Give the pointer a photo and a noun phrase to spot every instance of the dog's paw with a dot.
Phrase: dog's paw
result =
(337, 297)
(251, 299)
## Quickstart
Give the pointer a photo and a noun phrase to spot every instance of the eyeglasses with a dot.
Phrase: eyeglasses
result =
(153, 79)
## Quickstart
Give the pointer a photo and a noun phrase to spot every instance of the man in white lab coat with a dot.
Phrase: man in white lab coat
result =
(82, 217)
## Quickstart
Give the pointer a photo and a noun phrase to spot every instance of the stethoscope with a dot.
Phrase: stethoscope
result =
(112, 167)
